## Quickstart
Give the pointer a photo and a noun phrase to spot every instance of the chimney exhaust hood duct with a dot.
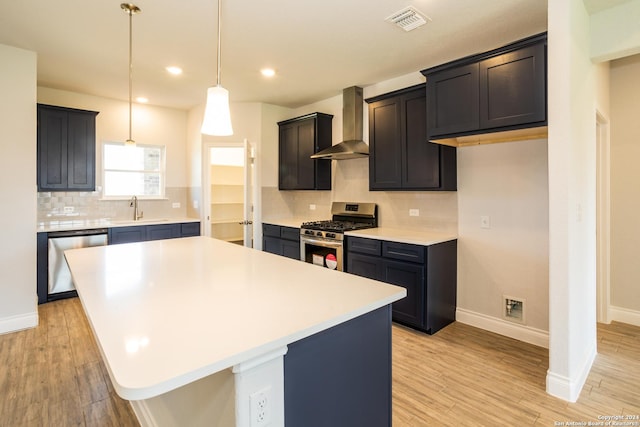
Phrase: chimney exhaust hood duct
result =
(352, 146)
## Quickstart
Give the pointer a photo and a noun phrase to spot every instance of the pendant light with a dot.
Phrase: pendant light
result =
(130, 9)
(217, 118)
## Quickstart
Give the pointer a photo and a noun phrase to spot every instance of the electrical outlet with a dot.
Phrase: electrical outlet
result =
(485, 221)
(261, 407)
(175, 205)
(312, 207)
(414, 212)
(68, 209)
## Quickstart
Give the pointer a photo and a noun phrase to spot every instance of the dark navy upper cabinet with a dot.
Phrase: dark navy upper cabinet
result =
(504, 89)
(299, 138)
(400, 157)
(66, 149)
(453, 99)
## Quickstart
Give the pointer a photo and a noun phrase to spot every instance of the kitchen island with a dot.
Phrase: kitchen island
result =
(198, 330)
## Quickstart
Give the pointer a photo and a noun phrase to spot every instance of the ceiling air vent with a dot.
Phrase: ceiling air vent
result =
(408, 18)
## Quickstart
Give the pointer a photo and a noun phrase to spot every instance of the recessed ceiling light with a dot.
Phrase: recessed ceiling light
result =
(174, 70)
(268, 72)
(142, 100)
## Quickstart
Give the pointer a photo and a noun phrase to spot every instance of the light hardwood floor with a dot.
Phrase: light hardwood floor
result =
(462, 376)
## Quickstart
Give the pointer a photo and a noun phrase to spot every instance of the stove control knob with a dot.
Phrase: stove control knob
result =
(308, 232)
(319, 234)
(330, 235)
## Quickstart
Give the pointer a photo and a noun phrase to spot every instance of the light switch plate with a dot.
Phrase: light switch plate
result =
(414, 212)
(175, 205)
(485, 221)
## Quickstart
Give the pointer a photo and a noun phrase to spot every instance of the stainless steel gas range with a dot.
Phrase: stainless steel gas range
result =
(321, 242)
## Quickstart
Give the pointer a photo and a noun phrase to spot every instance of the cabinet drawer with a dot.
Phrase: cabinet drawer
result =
(271, 230)
(403, 251)
(290, 233)
(364, 246)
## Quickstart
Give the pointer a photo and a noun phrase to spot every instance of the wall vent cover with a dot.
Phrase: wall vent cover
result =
(408, 18)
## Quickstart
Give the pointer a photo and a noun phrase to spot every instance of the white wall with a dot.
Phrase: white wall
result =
(18, 306)
(615, 32)
(508, 183)
(572, 111)
(625, 193)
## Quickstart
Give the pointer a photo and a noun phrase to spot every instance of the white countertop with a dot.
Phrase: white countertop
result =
(166, 313)
(89, 224)
(286, 222)
(404, 235)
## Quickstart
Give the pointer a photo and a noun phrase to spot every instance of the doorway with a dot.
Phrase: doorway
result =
(229, 196)
(603, 218)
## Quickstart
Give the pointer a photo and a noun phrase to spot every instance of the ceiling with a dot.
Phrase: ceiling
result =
(317, 48)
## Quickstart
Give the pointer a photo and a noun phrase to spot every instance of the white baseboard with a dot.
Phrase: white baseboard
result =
(564, 387)
(19, 322)
(145, 418)
(503, 327)
(624, 315)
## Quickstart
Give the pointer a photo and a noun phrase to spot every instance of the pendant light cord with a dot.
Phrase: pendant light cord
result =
(131, 9)
(130, 69)
(219, 44)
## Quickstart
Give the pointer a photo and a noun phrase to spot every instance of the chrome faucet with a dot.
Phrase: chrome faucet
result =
(134, 204)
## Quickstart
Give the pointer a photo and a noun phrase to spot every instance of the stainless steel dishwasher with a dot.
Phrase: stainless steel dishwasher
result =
(60, 282)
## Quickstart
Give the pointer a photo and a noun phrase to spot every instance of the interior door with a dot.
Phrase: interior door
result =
(230, 180)
(249, 186)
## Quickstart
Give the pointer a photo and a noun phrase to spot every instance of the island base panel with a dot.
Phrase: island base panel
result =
(341, 376)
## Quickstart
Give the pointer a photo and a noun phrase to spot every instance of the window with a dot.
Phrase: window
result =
(129, 171)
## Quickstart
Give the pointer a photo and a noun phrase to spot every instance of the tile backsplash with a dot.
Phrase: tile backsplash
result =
(72, 205)
(437, 210)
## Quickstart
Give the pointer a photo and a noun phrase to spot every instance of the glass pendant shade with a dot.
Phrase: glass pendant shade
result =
(217, 118)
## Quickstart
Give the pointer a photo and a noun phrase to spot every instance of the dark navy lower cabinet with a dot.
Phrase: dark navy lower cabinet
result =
(132, 234)
(341, 377)
(281, 240)
(144, 233)
(428, 273)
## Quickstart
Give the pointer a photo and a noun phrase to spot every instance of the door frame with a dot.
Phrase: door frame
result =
(603, 219)
(256, 193)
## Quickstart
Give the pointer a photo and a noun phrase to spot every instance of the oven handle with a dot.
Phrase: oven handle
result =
(325, 243)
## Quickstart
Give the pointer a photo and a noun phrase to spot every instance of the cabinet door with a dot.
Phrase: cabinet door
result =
(364, 265)
(296, 168)
(513, 88)
(420, 158)
(453, 101)
(410, 309)
(189, 229)
(81, 151)
(272, 245)
(290, 248)
(136, 233)
(52, 149)
(385, 148)
(163, 231)
(288, 157)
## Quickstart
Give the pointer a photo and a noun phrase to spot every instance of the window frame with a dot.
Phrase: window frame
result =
(162, 172)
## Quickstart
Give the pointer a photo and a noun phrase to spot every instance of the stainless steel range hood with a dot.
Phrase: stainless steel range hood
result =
(352, 146)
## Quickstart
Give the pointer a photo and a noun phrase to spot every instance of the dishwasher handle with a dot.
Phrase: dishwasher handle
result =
(72, 233)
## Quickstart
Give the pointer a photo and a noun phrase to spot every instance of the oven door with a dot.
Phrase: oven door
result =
(321, 251)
